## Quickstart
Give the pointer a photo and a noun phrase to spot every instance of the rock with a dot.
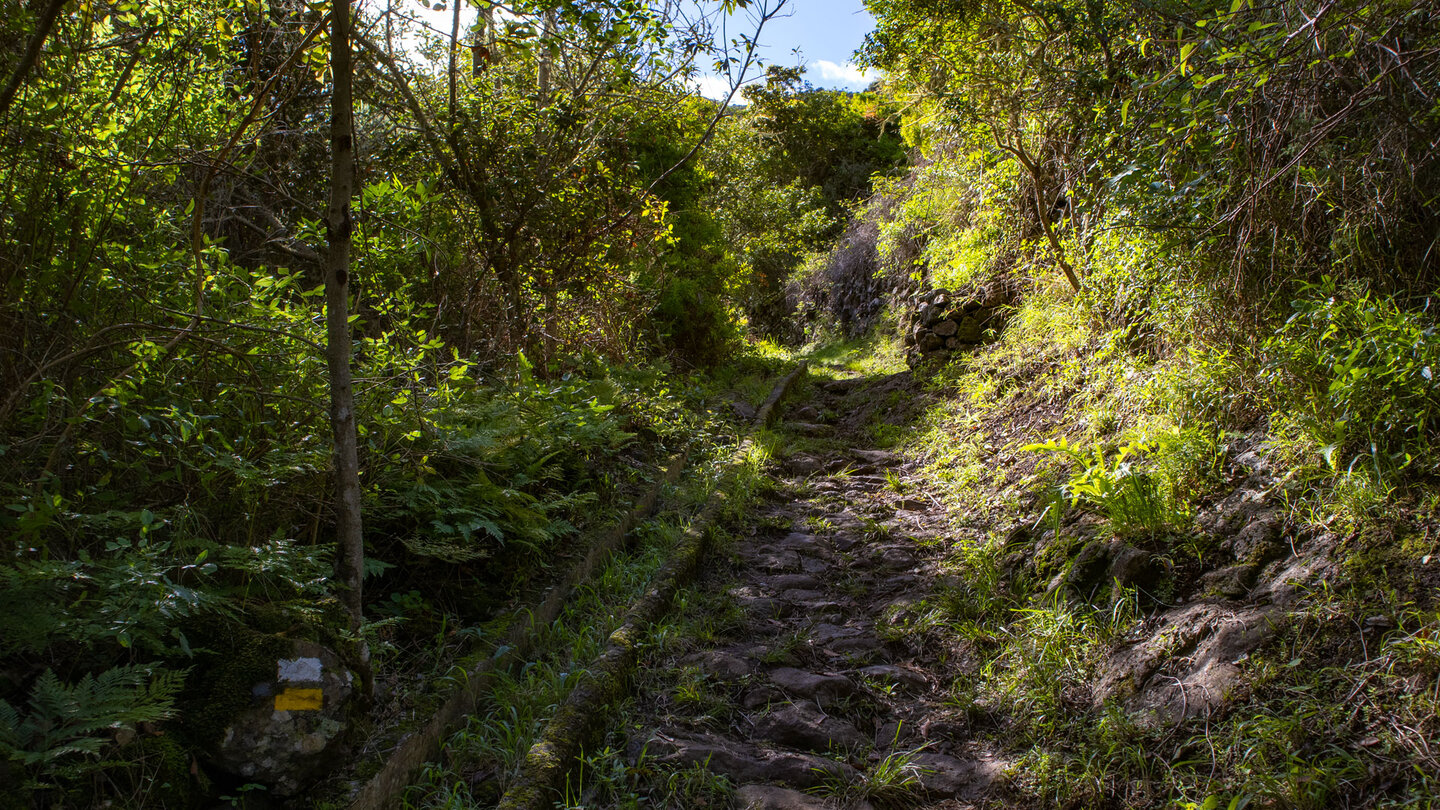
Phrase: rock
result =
(720, 664)
(1198, 647)
(798, 541)
(1288, 581)
(808, 428)
(764, 607)
(969, 331)
(1087, 574)
(824, 633)
(855, 647)
(897, 558)
(804, 771)
(993, 295)
(742, 763)
(953, 343)
(803, 464)
(744, 411)
(943, 729)
(1377, 625)
(760, 697)
(893, 734)
(1132, 568)
(1253, 462)
(929, 342)
(928, 315)
(1259, 539)
(805, 727)
(295, 727)
(889, 673)
(1230, 582)
(813, 565)
(809, 413)
(1237, 509)
(785, 582)
(945, 776)
(802, 595)
(778, 561)
(946, 328)
(769, 797)
(812, 685)
(882, 458)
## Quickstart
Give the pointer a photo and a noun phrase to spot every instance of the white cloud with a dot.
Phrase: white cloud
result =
(716, 88)
(844, 74)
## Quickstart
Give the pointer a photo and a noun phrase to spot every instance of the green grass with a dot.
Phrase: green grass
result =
(877, 353)
(1322, 718)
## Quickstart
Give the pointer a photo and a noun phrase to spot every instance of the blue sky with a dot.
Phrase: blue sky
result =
(821, 34)
(826, 34)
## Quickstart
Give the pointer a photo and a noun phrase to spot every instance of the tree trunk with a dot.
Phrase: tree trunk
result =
(350, 551)
(482, 49)
(453, 71)
(547, 34)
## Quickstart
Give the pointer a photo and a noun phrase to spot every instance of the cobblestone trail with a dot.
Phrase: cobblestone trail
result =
(815, 697)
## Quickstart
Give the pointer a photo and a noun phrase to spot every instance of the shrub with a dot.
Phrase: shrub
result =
(1358, 372)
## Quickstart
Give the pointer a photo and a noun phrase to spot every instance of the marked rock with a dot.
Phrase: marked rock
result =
(293, 730)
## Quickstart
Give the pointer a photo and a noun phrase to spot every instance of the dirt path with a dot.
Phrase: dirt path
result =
(805, 692)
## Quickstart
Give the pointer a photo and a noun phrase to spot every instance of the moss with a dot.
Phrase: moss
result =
(237, 657)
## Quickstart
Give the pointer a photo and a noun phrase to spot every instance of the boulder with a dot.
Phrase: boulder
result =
(294, 730)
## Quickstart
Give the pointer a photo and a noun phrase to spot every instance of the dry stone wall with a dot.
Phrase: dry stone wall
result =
(940, 323)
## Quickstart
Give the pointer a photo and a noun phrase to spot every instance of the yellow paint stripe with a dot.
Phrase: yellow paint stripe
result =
(300, 700)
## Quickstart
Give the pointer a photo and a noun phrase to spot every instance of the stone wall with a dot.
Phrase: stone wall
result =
(940, 323)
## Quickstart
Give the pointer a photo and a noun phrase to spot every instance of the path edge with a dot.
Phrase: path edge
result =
(382, 791)
(562, 742)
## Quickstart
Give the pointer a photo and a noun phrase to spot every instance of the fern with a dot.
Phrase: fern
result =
(66, 721)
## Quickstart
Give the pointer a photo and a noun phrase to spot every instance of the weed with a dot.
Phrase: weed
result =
(787, 648)
(893, 482)
(892, 781)
(1133, 500)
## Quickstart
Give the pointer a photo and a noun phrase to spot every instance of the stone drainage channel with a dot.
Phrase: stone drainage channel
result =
(815, 701)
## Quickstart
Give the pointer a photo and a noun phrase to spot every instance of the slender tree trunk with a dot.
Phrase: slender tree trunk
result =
(1042, 210)
(454, 69)
(547, 33)
(48, 15)
(350, 551)
(482, 49)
